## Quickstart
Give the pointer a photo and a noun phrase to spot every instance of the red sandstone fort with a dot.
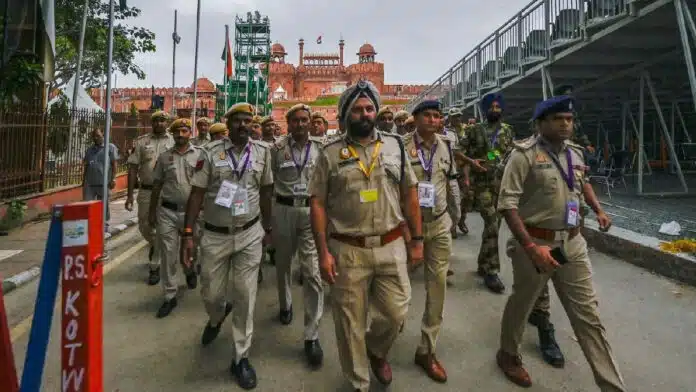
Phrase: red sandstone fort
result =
(315, 75)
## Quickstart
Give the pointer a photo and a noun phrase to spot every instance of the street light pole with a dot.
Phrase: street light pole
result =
(195, 69)
(107, 128)
(176, 39)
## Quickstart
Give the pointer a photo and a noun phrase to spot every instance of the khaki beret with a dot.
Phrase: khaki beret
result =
(204, 120)
(297, 108)
(401, 114)
(266, 120)
(217, 128)
(159, 115)
(409, 120)
(180, 123)
(384, 110)
(241, 107)
(257, 119)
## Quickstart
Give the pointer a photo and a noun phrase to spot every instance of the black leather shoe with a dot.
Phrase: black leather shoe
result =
(191, 281)
(244, 373)
(151, 254)
(550, 350)
(494, 284)
(285, 316)
(154, 277)
(166, 308)
(538, 319)
(314, 353)
(211, 332)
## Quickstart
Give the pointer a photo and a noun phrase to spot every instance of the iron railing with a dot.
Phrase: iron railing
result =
(41, 151)
(527, 39)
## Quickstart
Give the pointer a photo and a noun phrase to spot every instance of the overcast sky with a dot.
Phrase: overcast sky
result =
(417, 43)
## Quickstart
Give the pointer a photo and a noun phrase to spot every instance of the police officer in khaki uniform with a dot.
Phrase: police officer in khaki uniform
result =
(256, 132)
(399, 120)
(409, 125)
(431, 158)
(233, 179)
(542, 188)
(385, 120)
(203, 127)
(141, 165)
(293, 159)
(217, 131)
(172, 181)
(319, 126)
(359, 185)
(268, 130)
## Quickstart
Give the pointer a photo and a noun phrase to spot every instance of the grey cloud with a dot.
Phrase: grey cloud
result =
(416, 43)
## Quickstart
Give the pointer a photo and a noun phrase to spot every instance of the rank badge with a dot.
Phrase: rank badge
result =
(222, 155)
(345, 153)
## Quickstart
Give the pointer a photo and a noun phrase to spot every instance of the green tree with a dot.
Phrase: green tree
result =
(128, 41)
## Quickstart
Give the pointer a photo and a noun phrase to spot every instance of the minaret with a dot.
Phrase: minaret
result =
(301, 51)
(341, 44)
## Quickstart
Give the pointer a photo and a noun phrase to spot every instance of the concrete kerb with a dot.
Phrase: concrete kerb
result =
(642, 251)
(14, 282)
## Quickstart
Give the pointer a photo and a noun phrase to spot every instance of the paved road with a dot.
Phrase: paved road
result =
(651, 323)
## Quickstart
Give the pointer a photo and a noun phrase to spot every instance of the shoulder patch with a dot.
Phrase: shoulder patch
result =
(525, 144)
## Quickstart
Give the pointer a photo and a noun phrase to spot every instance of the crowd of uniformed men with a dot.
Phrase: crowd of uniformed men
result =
(361, 210)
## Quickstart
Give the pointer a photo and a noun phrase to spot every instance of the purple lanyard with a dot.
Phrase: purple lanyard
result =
(245, 159)
(427, 167)
(568, 178)
(494, 137)
(299, 167)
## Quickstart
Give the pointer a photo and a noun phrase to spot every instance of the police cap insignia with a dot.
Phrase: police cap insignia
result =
(414, 153)
(345, 153)
(221, 155)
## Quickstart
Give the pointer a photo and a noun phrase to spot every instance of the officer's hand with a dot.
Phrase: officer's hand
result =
(542, 259)
(186, 252)
(604, 222)
(327, 267)
(129, 203)
(415, 253)
(478, 167)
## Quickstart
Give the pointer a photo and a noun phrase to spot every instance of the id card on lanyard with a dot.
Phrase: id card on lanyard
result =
(572, 212)
(426, 190)
(240, 199)
(367, 195)
(300, 188)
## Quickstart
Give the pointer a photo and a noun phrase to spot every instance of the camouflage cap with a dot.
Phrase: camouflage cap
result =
(180, 123)
(454, 112)
(241, 107)
(204, 120)
(401, 114)
(159, 115)
(297, 108)
(217, 128)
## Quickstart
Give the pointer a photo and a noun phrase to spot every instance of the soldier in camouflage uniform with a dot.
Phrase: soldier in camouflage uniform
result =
(385, 120)
(466, 192)
(487, 144)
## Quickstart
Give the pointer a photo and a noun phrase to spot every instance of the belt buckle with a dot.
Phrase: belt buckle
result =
(373, 241)
(296, 202)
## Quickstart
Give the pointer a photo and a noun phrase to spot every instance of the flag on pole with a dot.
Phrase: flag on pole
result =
(319, 39)
(227, 56)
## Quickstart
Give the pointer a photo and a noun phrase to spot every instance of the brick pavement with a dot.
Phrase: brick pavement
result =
(31, 240)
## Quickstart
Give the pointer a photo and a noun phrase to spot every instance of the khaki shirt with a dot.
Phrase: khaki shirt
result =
(442, 169)
(147, 149)
(213, 168)
(201, 141)
(339, 182)
(174, 171)
(288, 180)
(533, 185)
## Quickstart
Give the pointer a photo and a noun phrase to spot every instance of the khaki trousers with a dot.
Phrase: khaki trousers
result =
(168, 240)
(147, 231)
(454, 200)
(292, 233)
(238, 255)
(437, 246)
(573, 284)
(368, 277)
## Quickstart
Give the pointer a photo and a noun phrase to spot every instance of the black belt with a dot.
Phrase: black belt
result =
(146, 187)
(227, 230)
(292, 201)
(435, 218)
(170, 206)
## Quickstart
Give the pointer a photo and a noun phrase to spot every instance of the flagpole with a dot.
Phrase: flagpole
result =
(107, 127)
(195, 69)
(175, 38)
(227, 56)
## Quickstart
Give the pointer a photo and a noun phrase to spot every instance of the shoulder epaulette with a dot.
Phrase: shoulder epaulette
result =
(260, 143)
(333, 141)
(214, 144)
(575, 146)
(394, 135)
(525, 144)
(316, 139)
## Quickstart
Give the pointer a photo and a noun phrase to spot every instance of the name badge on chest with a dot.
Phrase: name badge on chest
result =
(426, 194)
(369, 196)
(226, 194)
(240, 202)
(299, 189)
(287, 164)
(572, 213)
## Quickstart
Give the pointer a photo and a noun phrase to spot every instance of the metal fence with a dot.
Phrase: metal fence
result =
(41, 151)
